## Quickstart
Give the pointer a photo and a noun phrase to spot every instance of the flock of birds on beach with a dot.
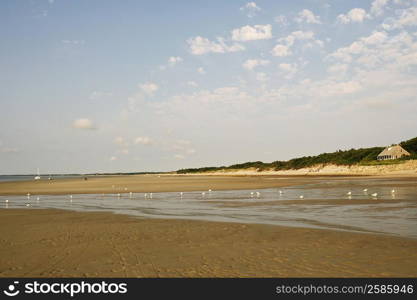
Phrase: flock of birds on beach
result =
(252, 194)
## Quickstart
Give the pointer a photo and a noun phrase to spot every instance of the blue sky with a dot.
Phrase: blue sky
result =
(106, 86)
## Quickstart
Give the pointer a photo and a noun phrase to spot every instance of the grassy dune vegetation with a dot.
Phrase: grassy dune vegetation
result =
(363, 156)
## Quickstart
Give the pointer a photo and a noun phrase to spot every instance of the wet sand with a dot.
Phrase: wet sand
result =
(55, 243)
(150, 183)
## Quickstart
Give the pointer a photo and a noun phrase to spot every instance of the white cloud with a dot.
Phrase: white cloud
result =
(149, 88)
(359, 46)
(378, 6)
(251, 33)
(355, 15)
(251, 8)
(289, 69)
(250, 64)
(281, 19)
(337, 68)
(200, 45)
(173, 60)
(201, 71)
(281, 50)
(83, 123)
(143, 140)
(405, 17)
(307, 16)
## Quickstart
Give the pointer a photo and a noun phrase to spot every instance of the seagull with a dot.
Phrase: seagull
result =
(118, 195)
(7, 201)
(130, 194)
(150, 195)
(349, 193)
(280, 192)
(365, 190)
(37, 198)
(301, 197)
(374, 195)
(203, 193)
(181, 194)
(258, 194)
(209, 190)
(251, 194)
(146, 195)
(70, 198)
(392, 191)
(27, 204)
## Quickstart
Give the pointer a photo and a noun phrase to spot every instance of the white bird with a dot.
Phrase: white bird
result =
(258, 194)
(280, 192)
(181, 194)
(374, 194)
(130, 194)
(27, 204)
(146, 195)
(301, 197)
(209, 190)
(37, 198)
(251, 194)
(150, 195)
(392, 191)
(7, 201)
(203, 193)
(365, 190)
(118, 195)
(349, 193)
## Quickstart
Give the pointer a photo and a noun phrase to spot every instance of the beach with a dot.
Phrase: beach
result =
(149, 183)
(56, 243)
(42, 242)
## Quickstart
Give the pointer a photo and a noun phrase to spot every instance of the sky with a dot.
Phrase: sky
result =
(124, 86)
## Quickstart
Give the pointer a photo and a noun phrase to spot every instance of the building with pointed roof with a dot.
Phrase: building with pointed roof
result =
(392, 152)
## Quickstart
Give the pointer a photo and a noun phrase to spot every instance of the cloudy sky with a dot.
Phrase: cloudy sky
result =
(103, 86)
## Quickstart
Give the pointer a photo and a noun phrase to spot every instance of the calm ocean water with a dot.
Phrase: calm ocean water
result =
(336, 204)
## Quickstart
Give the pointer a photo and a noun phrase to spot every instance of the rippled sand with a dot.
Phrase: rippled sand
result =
(54, 243)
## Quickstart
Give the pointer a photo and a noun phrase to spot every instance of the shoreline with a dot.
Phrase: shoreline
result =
(169, 183)
(60, 243)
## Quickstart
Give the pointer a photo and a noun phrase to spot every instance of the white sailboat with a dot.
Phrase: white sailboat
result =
(38, 176)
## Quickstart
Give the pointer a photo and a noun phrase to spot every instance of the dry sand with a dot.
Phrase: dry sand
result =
(53, 243)
(149, 183)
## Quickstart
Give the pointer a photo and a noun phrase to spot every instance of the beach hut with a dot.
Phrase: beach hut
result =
(392, 152)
